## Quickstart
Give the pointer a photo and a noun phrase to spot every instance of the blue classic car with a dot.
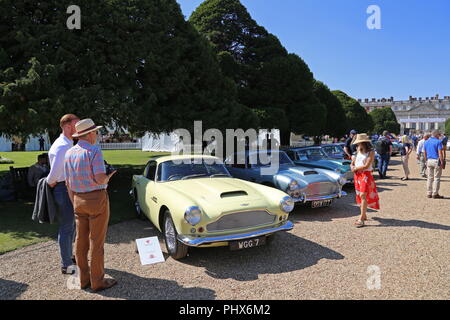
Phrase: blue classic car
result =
(315, 157)
(334, 150)
(317, 187)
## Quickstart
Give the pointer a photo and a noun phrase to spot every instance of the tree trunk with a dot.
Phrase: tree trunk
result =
(285, 137)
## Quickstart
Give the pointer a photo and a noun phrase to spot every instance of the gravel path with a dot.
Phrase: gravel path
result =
(323, 257)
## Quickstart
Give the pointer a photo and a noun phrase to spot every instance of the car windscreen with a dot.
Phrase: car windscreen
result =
(311, 154)
(333, 149)
(259, 160)
(189, 169)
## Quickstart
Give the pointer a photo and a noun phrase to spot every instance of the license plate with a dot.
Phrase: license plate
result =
(247, 243)
(320, 203)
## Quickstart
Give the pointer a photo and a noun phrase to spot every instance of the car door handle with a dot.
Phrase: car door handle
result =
(155, 200)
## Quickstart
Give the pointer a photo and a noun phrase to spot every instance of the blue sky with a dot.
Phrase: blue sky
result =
(410, 55)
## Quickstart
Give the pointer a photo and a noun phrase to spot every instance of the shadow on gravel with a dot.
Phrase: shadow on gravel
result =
(10, 290)
(132, 287)
(286, 253)
(409, 223)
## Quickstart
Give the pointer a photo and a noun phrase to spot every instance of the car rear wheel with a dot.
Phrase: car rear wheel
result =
(175, 248)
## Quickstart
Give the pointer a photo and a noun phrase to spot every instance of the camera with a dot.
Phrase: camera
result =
(109, 168)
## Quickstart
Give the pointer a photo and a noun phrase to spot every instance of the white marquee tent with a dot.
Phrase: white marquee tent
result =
(171, 142)
(31, 145)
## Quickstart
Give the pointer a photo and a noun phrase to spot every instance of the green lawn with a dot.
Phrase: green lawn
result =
(18, 230)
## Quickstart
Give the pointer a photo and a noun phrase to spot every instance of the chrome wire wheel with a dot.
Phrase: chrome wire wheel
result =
(175, 248)
(169, 232)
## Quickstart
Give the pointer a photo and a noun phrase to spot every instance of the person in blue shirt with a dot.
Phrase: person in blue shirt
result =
(434, 157)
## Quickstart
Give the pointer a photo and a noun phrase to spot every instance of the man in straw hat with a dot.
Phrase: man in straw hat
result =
(87, 181)
(56, 180)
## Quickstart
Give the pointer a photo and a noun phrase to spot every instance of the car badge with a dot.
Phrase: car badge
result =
(244, 205)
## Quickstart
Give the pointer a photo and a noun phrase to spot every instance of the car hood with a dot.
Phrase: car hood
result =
(216, 191)
(331, 164)
(298, 173)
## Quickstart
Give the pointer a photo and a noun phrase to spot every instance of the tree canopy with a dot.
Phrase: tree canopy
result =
(385, 119)
(278, 86)
(357, 117)
(336, 122)
(135, 63)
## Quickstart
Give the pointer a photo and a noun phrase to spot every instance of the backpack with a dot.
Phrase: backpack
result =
(382, 146)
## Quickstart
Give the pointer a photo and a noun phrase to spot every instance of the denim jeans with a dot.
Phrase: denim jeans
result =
(66, 220)
(383, 164)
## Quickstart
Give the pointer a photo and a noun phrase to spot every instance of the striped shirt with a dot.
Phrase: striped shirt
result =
(82, 163)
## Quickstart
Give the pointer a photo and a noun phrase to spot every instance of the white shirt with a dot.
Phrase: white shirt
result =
(420, 146)
(56, 156)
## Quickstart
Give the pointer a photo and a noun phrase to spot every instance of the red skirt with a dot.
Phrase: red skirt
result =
(364, 183)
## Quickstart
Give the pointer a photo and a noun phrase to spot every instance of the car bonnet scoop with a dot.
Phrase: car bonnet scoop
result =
(231, 194)
(310, 172)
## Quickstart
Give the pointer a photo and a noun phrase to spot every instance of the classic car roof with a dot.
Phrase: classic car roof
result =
(248, 152)
(160, 159)
(304, 148)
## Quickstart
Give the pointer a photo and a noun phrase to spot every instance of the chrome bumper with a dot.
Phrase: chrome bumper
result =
(327, 197)
(194, 241)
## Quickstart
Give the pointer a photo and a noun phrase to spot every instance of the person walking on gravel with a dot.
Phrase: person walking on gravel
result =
(420, 155)
(385, 151)
(56, 180)
(87, 181)
(405, 151)
(434, 157)
(365, 187)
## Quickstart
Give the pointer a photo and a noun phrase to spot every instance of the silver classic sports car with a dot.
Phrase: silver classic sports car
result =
(317, 187)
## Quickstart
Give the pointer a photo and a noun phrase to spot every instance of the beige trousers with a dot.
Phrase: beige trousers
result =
(434, 172)
(405, 160)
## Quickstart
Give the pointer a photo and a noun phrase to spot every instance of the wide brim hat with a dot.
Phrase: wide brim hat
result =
(362, 137)
(84, 127)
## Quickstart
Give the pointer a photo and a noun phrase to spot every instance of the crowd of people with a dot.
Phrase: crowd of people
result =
(430, 151)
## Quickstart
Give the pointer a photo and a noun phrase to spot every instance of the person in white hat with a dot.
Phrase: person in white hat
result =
(86, 180)
(365, 187)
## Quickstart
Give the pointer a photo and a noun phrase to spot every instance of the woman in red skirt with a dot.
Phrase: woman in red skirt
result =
(365, 187)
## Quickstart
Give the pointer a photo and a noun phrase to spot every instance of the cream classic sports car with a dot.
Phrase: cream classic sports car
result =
(195, 202)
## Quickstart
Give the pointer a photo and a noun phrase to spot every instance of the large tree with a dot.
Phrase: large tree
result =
(385, 119)
(336, 122)
(278, 86)
(135, 63)
(357, 117)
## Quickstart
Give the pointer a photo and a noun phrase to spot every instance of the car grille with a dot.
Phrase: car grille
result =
(321, 189)
(240, 220)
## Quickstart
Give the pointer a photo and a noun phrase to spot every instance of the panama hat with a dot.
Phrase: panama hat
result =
(84, 127)
(361, 137)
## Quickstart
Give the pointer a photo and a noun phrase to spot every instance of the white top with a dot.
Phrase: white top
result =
(56, 156)
(361, 159)
(420, 146)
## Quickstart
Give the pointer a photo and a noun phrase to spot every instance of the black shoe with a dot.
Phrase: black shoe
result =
(64, 270)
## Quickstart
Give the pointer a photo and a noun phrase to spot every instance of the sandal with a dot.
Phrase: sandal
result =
(404, 179)
(359, 223)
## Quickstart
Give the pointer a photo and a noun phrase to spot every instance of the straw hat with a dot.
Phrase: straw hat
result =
(84, 127)
(361, 137)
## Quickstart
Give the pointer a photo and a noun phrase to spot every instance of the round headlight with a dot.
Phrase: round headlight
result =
(193, 215)
(293, 185)
(287, 204)
(342, 180)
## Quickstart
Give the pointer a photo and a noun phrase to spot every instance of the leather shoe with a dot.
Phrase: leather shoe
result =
(87, 285)
(107, 283)
(438, 197)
